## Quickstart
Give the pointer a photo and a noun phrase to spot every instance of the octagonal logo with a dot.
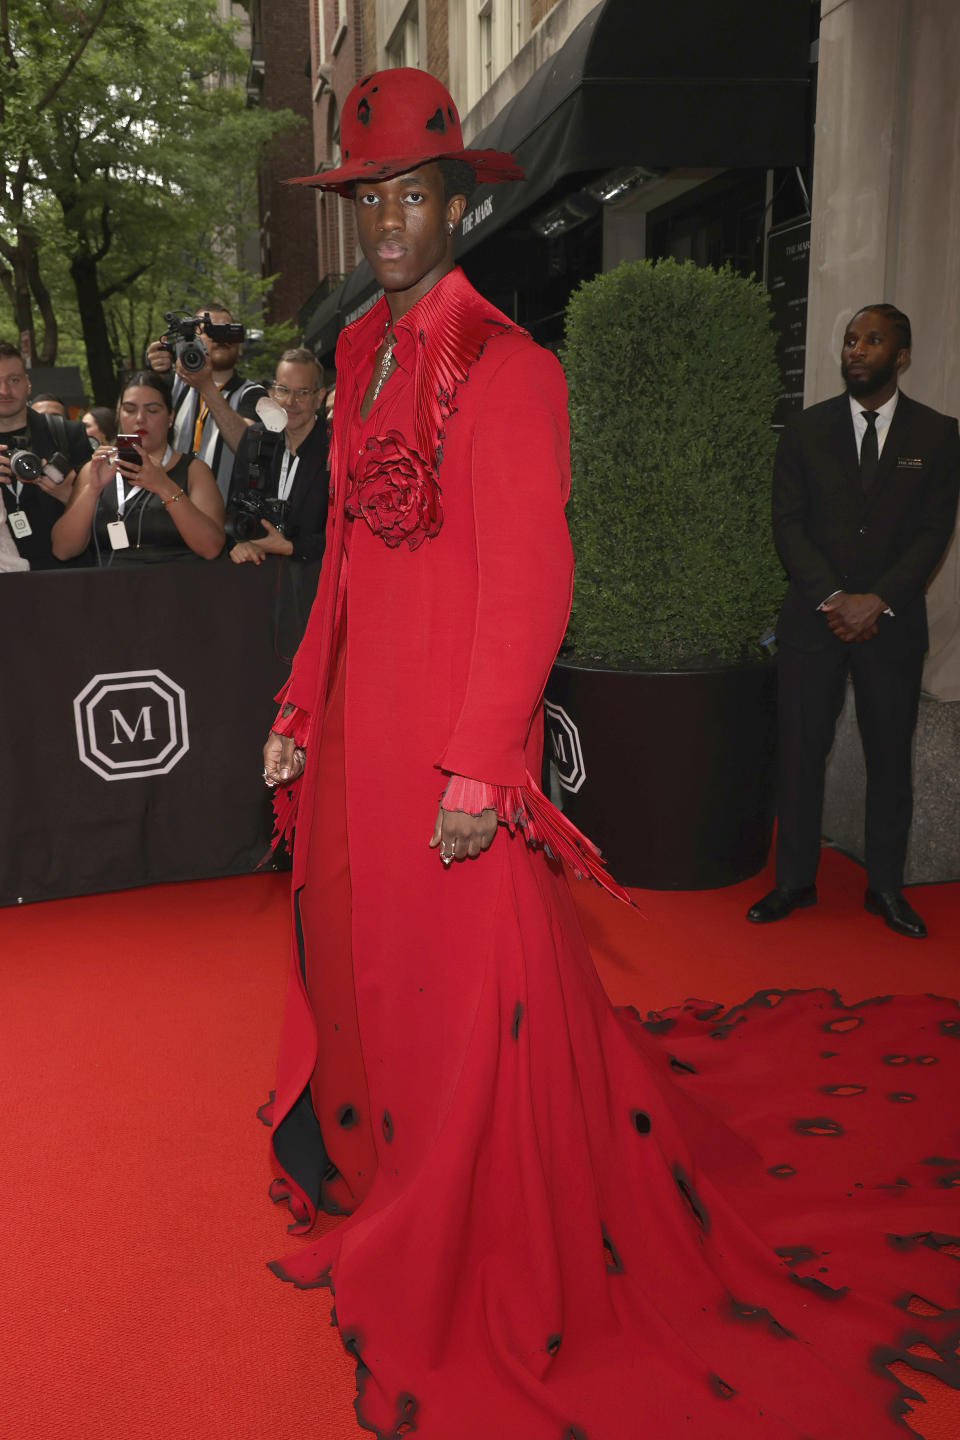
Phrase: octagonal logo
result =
(131, 724)
(565, 747)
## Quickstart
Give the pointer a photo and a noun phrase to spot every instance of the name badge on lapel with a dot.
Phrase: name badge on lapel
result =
(907, 462)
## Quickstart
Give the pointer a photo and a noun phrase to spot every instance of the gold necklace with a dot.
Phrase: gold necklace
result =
(384, 365)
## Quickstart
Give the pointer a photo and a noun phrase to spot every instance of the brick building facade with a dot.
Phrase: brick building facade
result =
(279, 78)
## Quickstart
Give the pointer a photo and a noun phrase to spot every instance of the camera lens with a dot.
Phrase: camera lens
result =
(25, 465)
(191, 354)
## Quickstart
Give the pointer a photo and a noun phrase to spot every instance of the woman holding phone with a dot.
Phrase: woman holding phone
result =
(140, 501)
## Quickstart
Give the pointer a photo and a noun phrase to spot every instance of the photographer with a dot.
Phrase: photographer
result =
(278, 494)
(212, 405)
(141, 501)
(33, 453)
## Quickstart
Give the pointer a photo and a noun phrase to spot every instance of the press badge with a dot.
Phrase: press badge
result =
(19, 524)
(117, 535)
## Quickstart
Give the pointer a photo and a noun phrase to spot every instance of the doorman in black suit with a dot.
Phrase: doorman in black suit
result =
(864, 503)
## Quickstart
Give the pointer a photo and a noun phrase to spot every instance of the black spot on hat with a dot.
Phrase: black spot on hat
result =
(844, 1091)
(436, 121)
(553, 1344)
(795, 1254)
(781, 1172)
(517, 1017)
(640, 1121)
(363, 111)
(901, 1097)
(346, 1116)
(387, 1126)
(346, 154)
(844, 1023)
(826, 1292)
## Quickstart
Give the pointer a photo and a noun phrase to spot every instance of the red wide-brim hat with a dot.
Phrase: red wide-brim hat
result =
(394, 120)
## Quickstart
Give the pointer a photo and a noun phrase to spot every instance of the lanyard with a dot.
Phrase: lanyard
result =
(287, 472)
(124, 496)
(16, 486)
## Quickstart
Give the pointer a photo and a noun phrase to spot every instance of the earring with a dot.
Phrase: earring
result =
(450, 229)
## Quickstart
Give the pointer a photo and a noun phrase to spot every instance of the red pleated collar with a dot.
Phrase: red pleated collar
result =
(448, 329)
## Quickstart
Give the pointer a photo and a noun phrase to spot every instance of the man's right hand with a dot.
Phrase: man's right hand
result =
(283, 759)
(6, 474)
(158, 358)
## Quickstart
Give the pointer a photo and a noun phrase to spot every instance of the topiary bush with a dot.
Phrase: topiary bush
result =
(673, 380)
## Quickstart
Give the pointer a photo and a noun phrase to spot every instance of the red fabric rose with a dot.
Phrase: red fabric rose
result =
(396, 493)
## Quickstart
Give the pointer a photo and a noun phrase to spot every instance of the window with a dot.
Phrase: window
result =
(403, 47)
(485, 45)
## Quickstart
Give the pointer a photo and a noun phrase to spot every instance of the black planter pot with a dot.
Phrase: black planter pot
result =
(670, 773)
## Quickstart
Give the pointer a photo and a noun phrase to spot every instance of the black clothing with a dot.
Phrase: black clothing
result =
(42, 510)
(242, 396)
(832, 536)
(309, 493)
(153, 535)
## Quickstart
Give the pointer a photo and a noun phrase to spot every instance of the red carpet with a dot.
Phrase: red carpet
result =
(135, 1301)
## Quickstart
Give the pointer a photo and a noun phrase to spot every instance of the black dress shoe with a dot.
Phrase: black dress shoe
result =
(896, 912)
(778, 904)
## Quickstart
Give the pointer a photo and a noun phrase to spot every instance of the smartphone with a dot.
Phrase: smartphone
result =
(125, 450)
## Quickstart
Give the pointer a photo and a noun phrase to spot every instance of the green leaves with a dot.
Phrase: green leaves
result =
(125, 141)
(673, 382)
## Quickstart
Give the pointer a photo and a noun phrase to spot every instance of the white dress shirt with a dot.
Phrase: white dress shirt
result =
(884, 416)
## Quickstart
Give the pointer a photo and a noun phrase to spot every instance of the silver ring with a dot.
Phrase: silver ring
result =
(447, 859)
(267, 780)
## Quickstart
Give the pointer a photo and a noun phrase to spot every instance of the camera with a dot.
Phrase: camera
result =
(246, 512)
(252, 505)
(180, 337)
(27, 465)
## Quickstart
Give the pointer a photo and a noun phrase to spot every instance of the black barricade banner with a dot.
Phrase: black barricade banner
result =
(133, 710)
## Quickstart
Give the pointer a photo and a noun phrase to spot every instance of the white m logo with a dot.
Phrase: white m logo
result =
(131, 724)
(131, 733)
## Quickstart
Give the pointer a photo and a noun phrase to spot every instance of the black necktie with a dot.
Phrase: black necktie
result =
(869, 452)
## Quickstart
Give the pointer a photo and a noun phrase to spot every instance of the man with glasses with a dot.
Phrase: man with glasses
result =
(212, 407)
(293, 472)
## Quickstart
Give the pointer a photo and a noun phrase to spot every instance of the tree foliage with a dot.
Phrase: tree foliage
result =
(130, 163)
(673, 381)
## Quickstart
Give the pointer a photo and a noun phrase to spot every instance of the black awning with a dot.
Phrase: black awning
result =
(692, 84)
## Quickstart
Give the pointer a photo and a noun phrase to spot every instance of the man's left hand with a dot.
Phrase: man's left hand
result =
(853, 617)
(201, 379)
(61, 492)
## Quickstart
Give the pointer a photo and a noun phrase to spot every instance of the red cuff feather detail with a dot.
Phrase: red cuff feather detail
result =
(527, 809)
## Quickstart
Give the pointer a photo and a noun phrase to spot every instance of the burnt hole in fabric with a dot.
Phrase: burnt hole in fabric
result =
(756, 1315)
(451, 116)
(707, 1013)
(844, 1091)
(940, 1160)
(951, 1028)
(407, 1407)
(553, 1344)
(828, 1054)
(363, 111)
(611, 1256)
(691, 1199)
(896, 1059)
(573, 1432)
(721, 1388)
(365, 80)
(659, 1027)
(387, 1126)
(437, 121)
(917, 1305)
(948, 1182)
(681, 1066)
(347, 1117)
(517, 1017)
(346, 154)
(817, 1125)
(901, 1097)
(926, 1059)
(844, 1023)
(351, 1343)
(819, 1287)
(640, 1121)
(781, 1172)
(795, 1254)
